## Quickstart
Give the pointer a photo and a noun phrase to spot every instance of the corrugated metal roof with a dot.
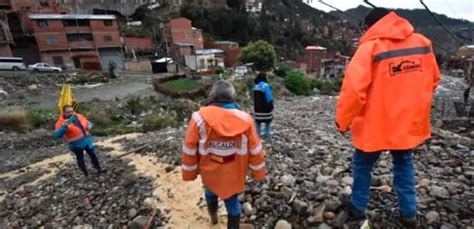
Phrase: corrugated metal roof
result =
(71, 16)
(183, 44)
(209, 51)
(315, 48)
(225, 43)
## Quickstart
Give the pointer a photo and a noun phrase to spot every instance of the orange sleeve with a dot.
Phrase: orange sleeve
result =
(357, 79)
(257, 154)
(189, 155)
(58, 124)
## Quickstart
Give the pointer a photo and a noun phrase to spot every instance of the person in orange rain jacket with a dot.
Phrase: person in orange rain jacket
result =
(74, 128)
(221, 144)
(386, 100)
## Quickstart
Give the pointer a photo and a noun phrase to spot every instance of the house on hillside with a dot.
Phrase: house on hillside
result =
(181, 38)
(312, 58)
(334, 67)
(205, 60)
(231, 49)
(78, 40)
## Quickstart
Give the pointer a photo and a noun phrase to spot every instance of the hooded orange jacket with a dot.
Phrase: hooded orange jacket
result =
(73, 132)
(388, 87)
(221, 144)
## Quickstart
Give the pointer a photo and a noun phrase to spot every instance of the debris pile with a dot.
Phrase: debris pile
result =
(305, 138)
(22, 149)
(113, 199)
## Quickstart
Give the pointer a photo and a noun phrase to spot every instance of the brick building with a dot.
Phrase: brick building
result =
(181, 38)
(312, 58)
(138, 44)
(6, 38)
(18, 11)
(78, 41)
(231, 49)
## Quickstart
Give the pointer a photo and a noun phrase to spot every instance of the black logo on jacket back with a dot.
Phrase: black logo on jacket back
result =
(405, 66)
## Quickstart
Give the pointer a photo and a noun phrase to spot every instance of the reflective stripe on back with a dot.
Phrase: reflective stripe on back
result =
(402, 52)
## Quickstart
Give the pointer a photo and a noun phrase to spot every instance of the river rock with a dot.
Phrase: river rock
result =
(282, 224)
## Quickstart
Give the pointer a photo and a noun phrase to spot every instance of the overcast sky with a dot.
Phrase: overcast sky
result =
(452, 8)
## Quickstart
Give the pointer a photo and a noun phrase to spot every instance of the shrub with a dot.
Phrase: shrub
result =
(99, 116)
(14, 119)
(135, 106)
(155, 122)
(38, 118)
(281, 71)
(298, 83)
(327, 87)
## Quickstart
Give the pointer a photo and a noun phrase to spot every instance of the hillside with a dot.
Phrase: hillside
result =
(424, 24)
(280, 23)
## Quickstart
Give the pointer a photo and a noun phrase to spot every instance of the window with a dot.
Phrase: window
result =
(78, 37)
(108, 22)
(52, 40)
(11, 60)
(42, 23)
(44, 3)
(108, 38)
(76, 22)
(202, 63)
(58, 60)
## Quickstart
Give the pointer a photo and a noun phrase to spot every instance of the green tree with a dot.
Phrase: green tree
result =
(261, 53)
(297, 82)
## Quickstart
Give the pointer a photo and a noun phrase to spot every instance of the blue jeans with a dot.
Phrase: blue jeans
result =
(90, 150)
(404, 180)
(268, 129)
(232, 204)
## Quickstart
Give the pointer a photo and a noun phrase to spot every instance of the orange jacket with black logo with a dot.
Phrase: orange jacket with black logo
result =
(221, 145)
(388, 87)
(73, 132)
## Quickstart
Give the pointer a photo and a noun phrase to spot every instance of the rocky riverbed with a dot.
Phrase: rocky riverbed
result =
(309, 166)
(112, 199)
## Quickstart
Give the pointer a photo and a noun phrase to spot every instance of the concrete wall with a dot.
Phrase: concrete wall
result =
(111, 55)
(5, 50)
(138, 66)
(138, 43)
(126, 7)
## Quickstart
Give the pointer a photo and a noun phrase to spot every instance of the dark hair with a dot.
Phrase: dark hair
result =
(66, 106)
(375, 15)
(262, 76)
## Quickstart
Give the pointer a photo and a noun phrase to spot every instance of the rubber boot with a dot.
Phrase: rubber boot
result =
(212, 209)
(233, 222)
(409, 223)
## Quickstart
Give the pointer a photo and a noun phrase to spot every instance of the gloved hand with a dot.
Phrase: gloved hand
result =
(339, 128)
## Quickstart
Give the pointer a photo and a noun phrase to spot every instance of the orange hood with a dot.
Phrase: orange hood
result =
(226, 122)
(391, 26)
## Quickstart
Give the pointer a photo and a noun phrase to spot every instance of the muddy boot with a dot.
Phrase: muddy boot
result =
(101, 171)
(212, 209)
(233, 222)
(84, 171)
(409, 223)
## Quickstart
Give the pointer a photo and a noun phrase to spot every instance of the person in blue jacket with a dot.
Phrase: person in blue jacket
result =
(74, 128)
(263, 104)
